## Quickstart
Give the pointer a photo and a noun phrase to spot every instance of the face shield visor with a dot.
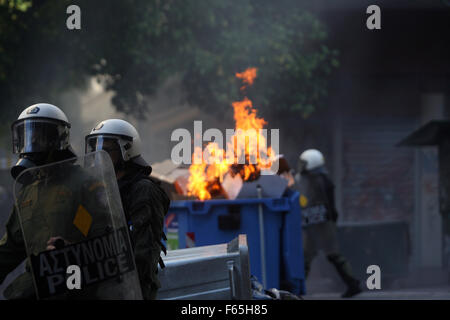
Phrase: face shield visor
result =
(101, 142)
(34, 135)
(117, 148)
(113, 145)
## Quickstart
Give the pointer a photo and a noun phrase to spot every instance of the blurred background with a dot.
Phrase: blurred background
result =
(324, 80)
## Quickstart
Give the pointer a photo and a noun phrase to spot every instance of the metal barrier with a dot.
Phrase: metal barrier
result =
(207, 273)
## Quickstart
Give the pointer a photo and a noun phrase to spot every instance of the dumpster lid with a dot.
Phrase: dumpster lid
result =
(272, 186)
(429, 134)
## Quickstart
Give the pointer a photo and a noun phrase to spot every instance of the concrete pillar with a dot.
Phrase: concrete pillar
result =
(337, 166)
(427, 222)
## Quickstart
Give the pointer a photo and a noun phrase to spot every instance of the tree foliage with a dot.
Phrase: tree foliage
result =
(136, 45)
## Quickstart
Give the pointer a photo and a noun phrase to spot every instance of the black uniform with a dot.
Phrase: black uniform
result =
(145, 204)
(319, 217)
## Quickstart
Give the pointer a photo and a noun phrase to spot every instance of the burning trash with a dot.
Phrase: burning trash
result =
(247, 158)
(232, 172)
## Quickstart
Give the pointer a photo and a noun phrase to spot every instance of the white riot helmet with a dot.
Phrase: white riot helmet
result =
(40, 129)
(123, 134)
(311, 159)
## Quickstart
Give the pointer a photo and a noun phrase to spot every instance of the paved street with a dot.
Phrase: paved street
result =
(430, 293)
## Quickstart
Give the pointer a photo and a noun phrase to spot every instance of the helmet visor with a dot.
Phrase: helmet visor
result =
(39, 135)
(100, 142)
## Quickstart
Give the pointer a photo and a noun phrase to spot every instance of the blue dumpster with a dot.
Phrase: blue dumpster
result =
(202, 223)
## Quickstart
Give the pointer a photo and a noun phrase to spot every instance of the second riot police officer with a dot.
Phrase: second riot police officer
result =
(144, 202)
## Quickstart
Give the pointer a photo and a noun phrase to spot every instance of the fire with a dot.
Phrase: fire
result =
(248, 76)
(198, 184)
(221, 166)
(246, 154)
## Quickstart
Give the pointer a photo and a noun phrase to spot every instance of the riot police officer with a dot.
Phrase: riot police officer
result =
(319, 217)
(40, 136)
(144, 202)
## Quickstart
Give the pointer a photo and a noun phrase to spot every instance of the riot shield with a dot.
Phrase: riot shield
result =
(75, 231)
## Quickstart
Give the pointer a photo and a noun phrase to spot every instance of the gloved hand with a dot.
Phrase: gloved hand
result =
(56, 243)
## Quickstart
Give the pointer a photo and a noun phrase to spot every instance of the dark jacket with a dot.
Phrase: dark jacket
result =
(145, 205)
(329, 191)
(320, 189)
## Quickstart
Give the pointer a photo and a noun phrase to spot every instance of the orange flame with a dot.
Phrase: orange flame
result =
(248, 76)
(246, 145)
(197, 183)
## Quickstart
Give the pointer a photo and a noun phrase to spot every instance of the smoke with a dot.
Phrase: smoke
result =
(166, 113)
(84, 109)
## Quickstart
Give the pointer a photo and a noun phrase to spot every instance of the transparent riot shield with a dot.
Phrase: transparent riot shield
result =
(75, 231)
